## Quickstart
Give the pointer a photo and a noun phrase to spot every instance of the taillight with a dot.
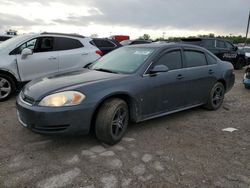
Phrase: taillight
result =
(99, 52)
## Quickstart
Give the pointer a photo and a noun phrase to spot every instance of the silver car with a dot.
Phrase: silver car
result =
(26, 57)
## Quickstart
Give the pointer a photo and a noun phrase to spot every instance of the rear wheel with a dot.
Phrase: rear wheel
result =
(7, 87)
(239, 64)
(216, 97)
(112, 121)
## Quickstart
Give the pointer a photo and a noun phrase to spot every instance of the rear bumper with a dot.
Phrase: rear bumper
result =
(62, 120)
(230, 82)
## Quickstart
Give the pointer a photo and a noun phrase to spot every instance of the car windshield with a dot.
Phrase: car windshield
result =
(123, 60)
(13, 41)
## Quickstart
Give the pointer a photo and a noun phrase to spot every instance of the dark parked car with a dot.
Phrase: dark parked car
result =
(223, 49)
(5, 37)
(133, 42)
(132, 83)
(105, 45)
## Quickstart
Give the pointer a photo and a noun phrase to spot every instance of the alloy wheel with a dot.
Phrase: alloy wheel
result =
(118, 122)
(218, 96)
(5, 88)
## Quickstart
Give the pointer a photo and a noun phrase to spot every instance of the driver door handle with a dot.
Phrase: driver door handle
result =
(52, 58)
(210, 71)
(179, 77)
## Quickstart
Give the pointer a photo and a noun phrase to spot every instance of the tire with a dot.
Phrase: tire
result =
(247, 86)
(112, 121)
(7, 87)
(216, 97)
(239, 64)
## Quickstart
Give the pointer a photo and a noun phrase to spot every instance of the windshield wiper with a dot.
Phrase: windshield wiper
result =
(105, 70)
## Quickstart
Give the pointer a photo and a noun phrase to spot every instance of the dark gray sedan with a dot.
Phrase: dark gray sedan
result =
(133, 83)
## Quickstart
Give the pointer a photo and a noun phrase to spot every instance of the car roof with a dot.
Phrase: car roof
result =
(63, 34)
(196, 39)
(165, 45)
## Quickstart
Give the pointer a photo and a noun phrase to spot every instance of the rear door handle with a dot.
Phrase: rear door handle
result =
(179, 77)
(210, 71)
(52, 58)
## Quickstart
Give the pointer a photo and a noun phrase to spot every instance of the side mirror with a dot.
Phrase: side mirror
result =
(236, 48)
(26, 52)
(159, 68)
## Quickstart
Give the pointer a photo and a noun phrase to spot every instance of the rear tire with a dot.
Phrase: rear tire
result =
(216, 97)
(239, 64)
(112, 121)
(7, 87)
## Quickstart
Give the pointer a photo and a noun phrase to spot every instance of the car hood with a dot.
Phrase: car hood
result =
(41, 87)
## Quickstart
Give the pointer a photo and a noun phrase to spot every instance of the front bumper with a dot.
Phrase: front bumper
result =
(59, 120)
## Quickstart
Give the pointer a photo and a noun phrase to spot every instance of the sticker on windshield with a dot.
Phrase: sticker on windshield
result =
(142, 52)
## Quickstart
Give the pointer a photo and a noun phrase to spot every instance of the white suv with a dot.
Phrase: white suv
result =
(26, 57)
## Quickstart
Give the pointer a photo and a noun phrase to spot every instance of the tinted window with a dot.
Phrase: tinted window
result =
(211, 60)
(44, 44)
(171, 59)
(194, 58)
(220, 44)
(67, 43)
(208, 43)
(229, 46)
(103, 43)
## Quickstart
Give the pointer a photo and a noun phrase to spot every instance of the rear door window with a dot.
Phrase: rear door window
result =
(229, 46)
(171, 59)
(220, 44)
(208, 43)
(194, 58)
(62, 43)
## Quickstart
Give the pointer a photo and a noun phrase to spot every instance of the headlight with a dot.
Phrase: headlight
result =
(66, 98)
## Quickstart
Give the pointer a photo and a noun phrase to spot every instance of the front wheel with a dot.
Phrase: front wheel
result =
(216, 97)
(7, 87)
(112, 121)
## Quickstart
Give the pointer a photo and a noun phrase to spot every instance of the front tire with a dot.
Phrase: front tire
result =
(7, 87)
(112, 121)
(216, 97)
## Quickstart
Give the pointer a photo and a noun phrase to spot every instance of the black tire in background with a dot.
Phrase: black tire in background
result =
(216, 97)
(239, 64)
(112, 121)
(7, 87)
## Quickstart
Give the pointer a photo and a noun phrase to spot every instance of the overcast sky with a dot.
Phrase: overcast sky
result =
(129, 17)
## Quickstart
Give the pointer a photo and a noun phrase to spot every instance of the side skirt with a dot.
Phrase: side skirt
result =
(170, 112)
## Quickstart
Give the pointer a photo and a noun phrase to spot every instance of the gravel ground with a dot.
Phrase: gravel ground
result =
(186, 149)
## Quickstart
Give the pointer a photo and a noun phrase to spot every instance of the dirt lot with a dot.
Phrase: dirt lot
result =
(187, 149)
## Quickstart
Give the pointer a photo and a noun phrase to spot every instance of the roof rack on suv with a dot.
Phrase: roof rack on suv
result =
(65, 34)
